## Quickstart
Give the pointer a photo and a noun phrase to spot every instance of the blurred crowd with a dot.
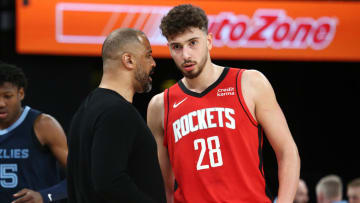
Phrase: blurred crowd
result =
(329, 189)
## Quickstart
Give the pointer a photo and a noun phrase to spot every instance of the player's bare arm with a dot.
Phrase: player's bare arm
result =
(260, 97)
(155, 121)
(51, 134)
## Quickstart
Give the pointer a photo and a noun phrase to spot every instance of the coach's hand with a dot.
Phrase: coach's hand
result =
(28, 196)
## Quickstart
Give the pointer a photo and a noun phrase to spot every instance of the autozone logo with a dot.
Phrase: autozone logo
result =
(266, 28)
(271, 28)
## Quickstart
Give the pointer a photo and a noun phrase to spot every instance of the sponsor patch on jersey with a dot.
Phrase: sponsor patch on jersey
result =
(229, 91)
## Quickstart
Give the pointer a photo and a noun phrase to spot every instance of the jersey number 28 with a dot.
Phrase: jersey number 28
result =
(212, 152)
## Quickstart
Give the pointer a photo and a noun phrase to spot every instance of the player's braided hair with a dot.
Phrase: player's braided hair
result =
(181, 18)
(12, 74)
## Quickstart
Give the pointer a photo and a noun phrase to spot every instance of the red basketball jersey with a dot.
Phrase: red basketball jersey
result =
(214, 143)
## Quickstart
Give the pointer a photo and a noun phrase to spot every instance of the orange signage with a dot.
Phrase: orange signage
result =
(266, 30)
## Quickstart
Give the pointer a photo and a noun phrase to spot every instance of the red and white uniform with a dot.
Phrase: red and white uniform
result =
(214, 143)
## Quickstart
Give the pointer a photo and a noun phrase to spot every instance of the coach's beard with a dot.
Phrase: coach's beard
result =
(144, 79)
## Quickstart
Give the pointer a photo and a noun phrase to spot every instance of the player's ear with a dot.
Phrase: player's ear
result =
(21, 93)
(128, 60)
(209, 40)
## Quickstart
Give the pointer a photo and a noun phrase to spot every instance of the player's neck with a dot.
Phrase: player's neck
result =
(207, 77)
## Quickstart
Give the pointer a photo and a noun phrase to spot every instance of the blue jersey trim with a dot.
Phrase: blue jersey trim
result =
(17, 123)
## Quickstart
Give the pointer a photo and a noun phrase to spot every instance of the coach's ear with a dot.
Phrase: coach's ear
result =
(128, 60)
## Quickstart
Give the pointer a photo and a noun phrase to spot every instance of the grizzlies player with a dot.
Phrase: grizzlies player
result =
(30, 144)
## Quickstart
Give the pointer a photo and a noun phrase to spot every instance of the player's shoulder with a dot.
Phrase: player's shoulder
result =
(156, 107)
(253, 74)
(44, 120)
(157, 101)
(44, 126)
(254, 78)
(155, 113)
(255, 85)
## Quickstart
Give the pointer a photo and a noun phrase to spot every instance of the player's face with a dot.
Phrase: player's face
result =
(10, 104)
(190, 51)
(353, 194)
(145, 67)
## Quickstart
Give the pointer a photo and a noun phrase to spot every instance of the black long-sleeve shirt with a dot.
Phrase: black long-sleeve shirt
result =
(112, 154)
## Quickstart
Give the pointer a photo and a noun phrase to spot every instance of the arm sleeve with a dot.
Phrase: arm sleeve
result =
(115, 133)
(54, 193)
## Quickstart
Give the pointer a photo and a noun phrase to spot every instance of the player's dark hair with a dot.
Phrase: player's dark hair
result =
(12, 74)
(181, 18)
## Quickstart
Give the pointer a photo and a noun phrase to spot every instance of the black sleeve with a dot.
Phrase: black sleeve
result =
(115, 132)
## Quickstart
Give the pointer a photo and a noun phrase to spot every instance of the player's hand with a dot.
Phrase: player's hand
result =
(28, 196)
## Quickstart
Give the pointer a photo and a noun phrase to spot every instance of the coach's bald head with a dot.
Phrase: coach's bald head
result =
(120, 41)
(127, 62)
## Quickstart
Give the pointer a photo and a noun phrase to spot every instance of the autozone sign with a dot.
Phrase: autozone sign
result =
(241, 29)
(271, 28)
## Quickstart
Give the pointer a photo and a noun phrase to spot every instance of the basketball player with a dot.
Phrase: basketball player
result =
(31, 143)
(209, 126)
(112, 154)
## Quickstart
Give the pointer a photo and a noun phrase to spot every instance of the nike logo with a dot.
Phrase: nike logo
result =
(50, 198)
(177, 104)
